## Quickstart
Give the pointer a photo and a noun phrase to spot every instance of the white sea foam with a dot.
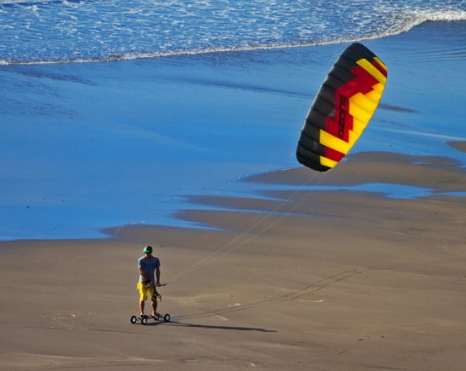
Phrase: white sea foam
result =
(413, 18)
(25, 2)
(50, 31)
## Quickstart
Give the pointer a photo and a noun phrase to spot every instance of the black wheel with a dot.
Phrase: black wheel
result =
(134, 319)
(144, 320)
(166, 317)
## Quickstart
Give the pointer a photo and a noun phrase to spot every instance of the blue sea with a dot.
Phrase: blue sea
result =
(78, 30)
(114, 112)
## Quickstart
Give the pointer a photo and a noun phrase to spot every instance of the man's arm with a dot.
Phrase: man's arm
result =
(157, 276)
(142, 272)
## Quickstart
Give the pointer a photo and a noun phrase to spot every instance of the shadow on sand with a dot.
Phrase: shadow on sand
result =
(210, 327)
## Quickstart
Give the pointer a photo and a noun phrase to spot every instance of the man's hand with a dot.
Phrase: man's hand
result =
(149, 284)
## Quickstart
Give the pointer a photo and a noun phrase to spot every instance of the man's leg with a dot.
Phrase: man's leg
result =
(142, 297)
(154, 306)
(141, 307)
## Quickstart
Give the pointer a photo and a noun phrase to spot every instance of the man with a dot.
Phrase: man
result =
(148, 265)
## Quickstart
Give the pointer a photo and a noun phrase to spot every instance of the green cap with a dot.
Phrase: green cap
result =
(147, 249)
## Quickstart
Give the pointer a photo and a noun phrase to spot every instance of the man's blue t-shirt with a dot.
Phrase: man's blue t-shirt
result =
(149, 266)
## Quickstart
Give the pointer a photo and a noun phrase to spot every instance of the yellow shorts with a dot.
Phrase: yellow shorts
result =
(143, 291)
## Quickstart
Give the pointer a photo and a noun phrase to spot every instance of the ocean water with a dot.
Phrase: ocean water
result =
(115, 112)
(89, 30)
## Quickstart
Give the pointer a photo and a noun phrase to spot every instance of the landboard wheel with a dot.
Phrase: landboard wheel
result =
(134, 319)
(166, 317)
(144, 320)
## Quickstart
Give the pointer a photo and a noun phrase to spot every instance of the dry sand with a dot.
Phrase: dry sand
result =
(317, 280)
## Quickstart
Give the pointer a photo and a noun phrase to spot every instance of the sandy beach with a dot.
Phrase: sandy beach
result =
(321, 281)
(288, 278)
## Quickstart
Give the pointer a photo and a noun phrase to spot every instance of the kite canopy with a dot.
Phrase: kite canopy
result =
(342, 108)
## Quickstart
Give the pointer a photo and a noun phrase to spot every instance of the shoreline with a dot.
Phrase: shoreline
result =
(365, 173)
